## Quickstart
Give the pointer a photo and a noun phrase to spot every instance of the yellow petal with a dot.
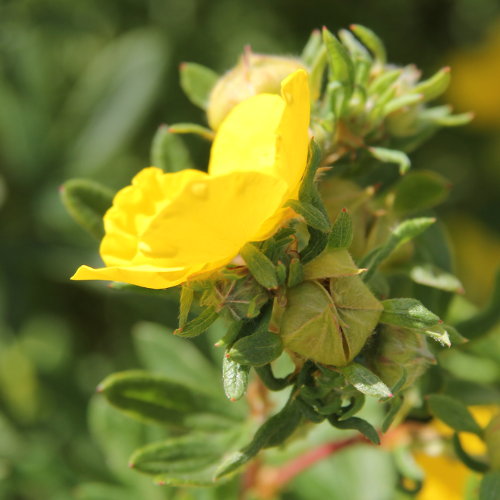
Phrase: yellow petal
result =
(267, 133)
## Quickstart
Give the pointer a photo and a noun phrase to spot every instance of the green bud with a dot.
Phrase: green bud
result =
(254, 74)
(399, 351)
(329, 326)
(492, 438)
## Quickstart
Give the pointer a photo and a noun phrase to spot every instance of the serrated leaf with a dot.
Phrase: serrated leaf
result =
(257, 349)
(365, 381)
(159, 400)
(371, 40)
(358, 424)
(87, 202)
(342, 233)
(312, 215)
(197, 82)
(168, 151)
(235, 378)
(260, 266)
(391, 156)
(453, 413)
(408, 313)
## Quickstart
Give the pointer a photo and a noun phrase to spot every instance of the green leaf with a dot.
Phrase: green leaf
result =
(257, 349)
(401, 102)
(308, 190)
(365, 381)
(453, 413)
(391, 156)
(272, 433)
(87, 202)
(371, 40)
(408, 313)
(168, 151)
(260, 266)
(434, 86)
(311, 48)
(192, 128)
(341, 66)
(295, 272)
(312, 215)
(235, 378)
(357, 424)
(197, 82)
(159, 400)
(317, 243)
(406, 231)
(490, 486)
(383, 81)
(341, 234)
(186, 300)
(198, 325)
(419, 191)
(189, 453)
(433, 276)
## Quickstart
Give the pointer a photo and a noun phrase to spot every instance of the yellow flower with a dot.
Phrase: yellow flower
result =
(167, 228)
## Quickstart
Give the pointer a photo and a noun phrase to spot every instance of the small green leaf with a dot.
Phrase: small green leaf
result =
(408, 313)
(341, 234)
(357, 424)
(260, 266)
(392, 156)
(490, 486)
(159, 400)
(235, 378)
(341, 66)
(169, 152)
(308, 190)
(401, 102)
(192, 128)
(317, 243)
(453, 413)
(395, 405)
(419, 191)
(312, 215)
(87, 202)
(295, 272)
(257, 349)
(198, 325)
(311, 48)
(382, 82)
(371, 40)
(265, 373)
(197, 82)
(365, 381)
(434, 86)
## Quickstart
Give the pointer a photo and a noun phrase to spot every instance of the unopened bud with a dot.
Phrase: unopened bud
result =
(254, 74)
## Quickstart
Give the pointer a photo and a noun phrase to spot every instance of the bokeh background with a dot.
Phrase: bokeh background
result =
(83, 88)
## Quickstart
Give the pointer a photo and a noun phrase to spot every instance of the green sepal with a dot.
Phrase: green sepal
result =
(341, 66)
(197, 82)
(490, 486)
(159, 400)
(341, 234)
(260, 266)
(365, 381)
(407, 313)
(169, 152)
(199, 324)
(257, 349)
(186, 301)
(434, 86)
(371, 41)
(357, 424)
(467, 460)
(453, 413)
(313, 216)
(234, 378)
(406, 231)
(272, 433)
(192, 128)
(391, 156)
(87, 202)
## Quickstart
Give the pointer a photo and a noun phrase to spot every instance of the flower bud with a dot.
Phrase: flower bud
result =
(254, 74)
(329, 326)
(492, 438)
(399, 350)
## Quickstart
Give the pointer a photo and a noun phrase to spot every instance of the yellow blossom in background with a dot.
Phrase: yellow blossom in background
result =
(167, 228)
(476, 76)
(446, 477)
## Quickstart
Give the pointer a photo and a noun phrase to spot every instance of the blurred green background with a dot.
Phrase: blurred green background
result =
(83, 88)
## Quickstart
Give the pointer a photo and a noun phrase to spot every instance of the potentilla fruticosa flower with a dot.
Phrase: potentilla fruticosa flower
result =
(167, 228)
